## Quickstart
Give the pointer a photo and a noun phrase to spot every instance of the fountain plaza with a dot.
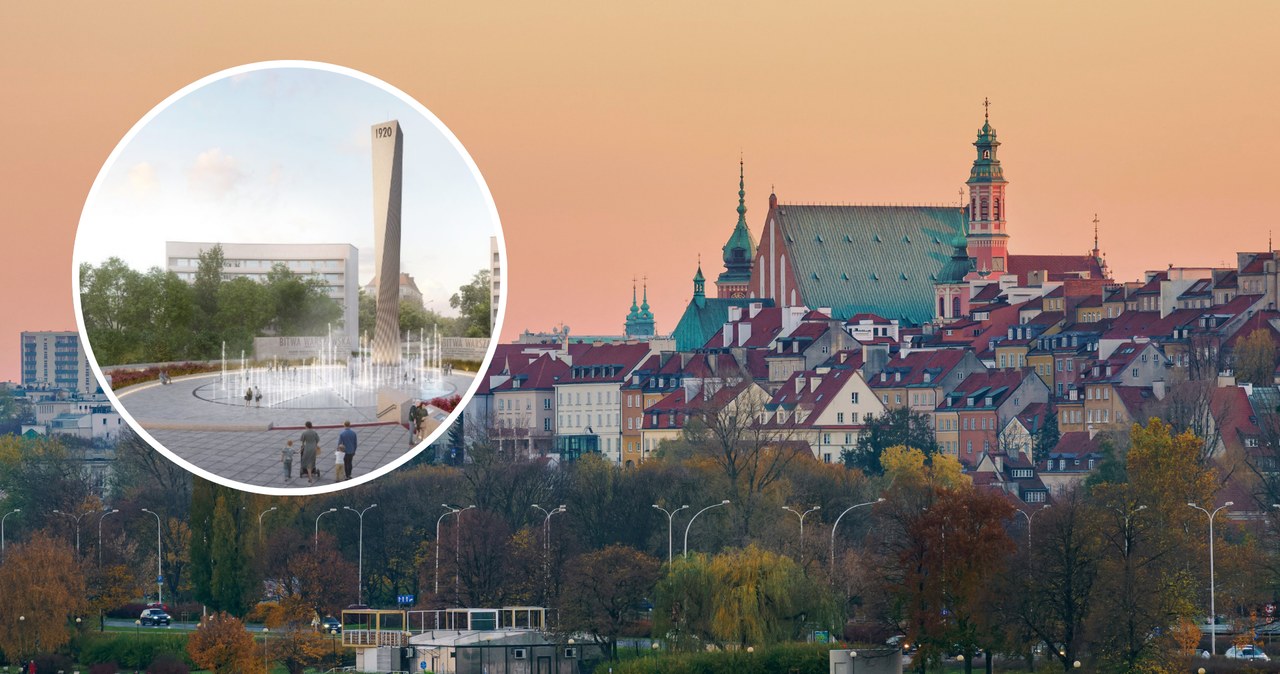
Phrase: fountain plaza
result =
(205, 419)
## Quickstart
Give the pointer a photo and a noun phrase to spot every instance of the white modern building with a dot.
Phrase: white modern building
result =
(337, 264)
(495, 280)
(55, 360)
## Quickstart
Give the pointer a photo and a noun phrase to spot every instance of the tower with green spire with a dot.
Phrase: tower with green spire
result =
(640, 321)
(988, 237)
(739, 251)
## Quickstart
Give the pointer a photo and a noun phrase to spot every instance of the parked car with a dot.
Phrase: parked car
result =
(330, 625)
(1248, 652)
(154, 616)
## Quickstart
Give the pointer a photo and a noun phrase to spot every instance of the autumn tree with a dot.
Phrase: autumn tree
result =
(764, 598)
(603, 590)
(1153, 545)
(295, 643)
(895, 427)
(685, 604)
(306, 570)
(726, 432)
(41, 591)
(1255, 358)
(222, 645)
(1052, 594)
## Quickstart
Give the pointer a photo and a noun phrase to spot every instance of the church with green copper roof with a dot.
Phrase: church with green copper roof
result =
(905, 263)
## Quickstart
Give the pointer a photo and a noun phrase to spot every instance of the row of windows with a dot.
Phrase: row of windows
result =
(504, 404)
(602, 420)
(294, 265)
(575, 398)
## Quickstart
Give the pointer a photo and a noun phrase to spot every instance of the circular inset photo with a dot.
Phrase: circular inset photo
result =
(288, 276)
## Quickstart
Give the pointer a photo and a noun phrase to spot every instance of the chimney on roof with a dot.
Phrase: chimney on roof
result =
(754, 308)
(874, 359)
(814, 381)
(999, 459)
(799, 383)
(744, 333)
(735, 313)
(1157, 389)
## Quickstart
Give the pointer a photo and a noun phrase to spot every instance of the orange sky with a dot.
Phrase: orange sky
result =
(609, 132)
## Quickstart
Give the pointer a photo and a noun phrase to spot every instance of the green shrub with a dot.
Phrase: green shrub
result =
(798, 658)
(129, 651)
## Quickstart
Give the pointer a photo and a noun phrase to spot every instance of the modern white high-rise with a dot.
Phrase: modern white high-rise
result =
(337, 264)
(55, 360)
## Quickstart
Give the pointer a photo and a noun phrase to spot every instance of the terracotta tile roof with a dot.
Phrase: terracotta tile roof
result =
(1257, 264)
(1033, 416)
(765, 326)
(1047, 318)
(542, 374)
(815, 315)
(865, 316)
(1260, 321)
(1059, 267)
(1238, 305)
(605, 363)
(813, 399)
(988, 294)
(674, 409)
(979, 386)
(911, 369)
(1201, 288)
(1130, 324)
(1135, 399)
(1228, 280)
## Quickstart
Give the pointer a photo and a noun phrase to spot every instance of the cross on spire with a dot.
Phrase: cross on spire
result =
(986, 109)
(1095, 232)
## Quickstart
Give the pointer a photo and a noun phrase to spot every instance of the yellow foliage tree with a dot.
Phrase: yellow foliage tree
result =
(41, 593)
(906, 467)
(763, 597)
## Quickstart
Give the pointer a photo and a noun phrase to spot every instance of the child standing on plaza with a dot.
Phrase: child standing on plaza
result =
(338, 473)
(286, 458)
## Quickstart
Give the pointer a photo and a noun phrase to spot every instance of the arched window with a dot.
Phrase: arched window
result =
(986, 154)
(997, 203)
(942, 304)
(955, 306)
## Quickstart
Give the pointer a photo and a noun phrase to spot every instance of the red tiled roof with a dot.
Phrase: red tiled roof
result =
(913, 366)
(1134, 398)
(1000, 382)
(989, 293)
(1058, 266)
(542, 374)
(815, 315)
(674, 408)
(590, 365)
(858, 318)
(765, 325)
(810, 398)
(1257, 264)
(1260, 321)
(1239, 304)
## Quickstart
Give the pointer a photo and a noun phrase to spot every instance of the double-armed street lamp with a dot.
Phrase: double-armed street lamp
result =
(452, 510)
(77, 518)
(685, 554)
(801, 516)
(1213, 609)
(837, 524)
(360, 555)
(105, 513)
(2, 519)
(1030, 516)
(315, 545)
(546, 536)
(671, 514)
(159, 573)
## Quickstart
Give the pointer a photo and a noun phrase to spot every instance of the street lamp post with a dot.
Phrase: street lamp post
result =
(801, 516)
(159, 573)
(670, 520)
(2, 519)
(77, 518)
(1030, 517)
(546, 537)
(104, 516)
(837, 524)
(316, 543)
(1213, 609)
(360, 556)
(264, 650)
(685, 552)
(451, 511)
(264, 512)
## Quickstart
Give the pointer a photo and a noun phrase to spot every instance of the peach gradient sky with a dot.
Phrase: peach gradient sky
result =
(609, 133)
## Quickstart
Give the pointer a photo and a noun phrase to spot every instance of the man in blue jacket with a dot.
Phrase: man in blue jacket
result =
(347, 438)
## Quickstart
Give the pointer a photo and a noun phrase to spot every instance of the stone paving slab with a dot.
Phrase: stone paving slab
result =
(253, 457)
(243, 443)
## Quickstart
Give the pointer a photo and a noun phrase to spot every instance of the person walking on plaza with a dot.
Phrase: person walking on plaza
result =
(310, 446)
(248, 396)
(339, 460)
(347, 440)
(257, 397)
(286, 458)
(415, 423)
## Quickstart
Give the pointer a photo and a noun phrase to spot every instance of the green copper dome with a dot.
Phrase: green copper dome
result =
(959, 265)
(739, 250)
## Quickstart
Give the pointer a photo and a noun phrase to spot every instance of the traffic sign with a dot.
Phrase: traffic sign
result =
(422, 665)
(404, 599)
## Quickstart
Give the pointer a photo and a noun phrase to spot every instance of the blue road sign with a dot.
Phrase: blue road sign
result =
(404, 599)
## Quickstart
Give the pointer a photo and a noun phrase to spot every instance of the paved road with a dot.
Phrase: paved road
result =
(177, 626)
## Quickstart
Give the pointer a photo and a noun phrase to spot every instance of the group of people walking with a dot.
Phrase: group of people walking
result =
(343, 456)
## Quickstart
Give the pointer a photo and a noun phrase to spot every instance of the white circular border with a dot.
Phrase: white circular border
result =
(495, 331)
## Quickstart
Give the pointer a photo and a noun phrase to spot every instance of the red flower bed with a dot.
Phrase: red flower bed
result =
(122, 378)
(446, 403)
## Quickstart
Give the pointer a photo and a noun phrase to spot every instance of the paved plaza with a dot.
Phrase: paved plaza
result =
(243, 443)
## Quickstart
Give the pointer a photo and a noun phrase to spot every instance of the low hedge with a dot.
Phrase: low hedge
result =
(797, 658)
(130, 652)
(124, 378)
